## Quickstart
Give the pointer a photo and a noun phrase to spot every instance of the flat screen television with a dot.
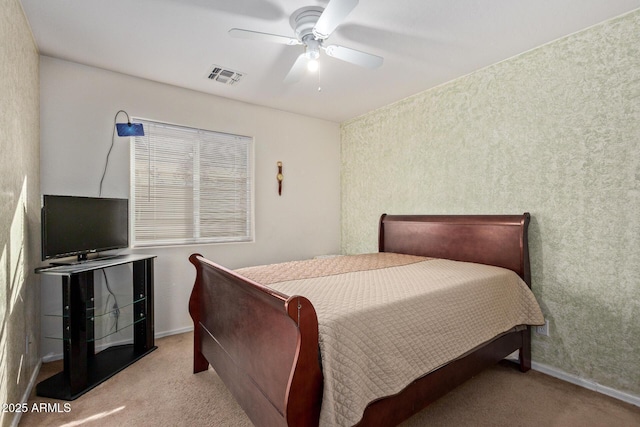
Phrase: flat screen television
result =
(79, 226)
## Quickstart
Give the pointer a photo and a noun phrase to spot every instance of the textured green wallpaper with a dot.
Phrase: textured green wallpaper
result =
(555, 132)
(19, 207)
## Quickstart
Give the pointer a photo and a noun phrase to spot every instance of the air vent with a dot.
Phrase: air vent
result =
(224, 75)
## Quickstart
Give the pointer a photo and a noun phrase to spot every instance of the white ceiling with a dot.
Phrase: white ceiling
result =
(424, 43)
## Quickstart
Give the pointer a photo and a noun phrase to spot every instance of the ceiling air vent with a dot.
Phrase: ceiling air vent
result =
(224, 75)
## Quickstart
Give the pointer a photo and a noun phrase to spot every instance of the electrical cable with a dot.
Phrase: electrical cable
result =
(115, 307)
(113, 136)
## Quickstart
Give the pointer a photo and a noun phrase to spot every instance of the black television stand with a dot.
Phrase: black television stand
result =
(83, 368)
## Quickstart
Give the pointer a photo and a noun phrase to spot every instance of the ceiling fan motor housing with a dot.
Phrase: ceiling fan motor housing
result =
(303, 20)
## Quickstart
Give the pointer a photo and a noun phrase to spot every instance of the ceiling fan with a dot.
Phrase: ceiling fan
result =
(312, 26)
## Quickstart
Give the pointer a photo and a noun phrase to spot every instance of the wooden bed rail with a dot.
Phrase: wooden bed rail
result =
(264, 346)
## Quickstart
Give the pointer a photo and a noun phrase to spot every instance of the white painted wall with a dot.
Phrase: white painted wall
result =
(78, 104)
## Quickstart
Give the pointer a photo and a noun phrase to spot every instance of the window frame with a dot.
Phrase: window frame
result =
(248, 237)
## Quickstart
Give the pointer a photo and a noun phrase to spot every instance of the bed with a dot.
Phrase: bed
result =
(269, 346)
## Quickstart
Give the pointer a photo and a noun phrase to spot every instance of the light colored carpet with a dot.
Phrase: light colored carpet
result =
(160, 390)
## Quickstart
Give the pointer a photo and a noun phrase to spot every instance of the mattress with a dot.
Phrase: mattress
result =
(387, 319)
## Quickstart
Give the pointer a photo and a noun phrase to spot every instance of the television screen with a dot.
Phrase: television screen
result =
(80, 225)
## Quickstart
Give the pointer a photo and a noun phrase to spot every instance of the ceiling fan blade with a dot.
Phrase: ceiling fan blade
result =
(255, 35)
(297, 70)
(353, 56)
(333, 15)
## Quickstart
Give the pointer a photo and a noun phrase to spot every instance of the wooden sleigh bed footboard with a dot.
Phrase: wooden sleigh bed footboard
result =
(264, 344)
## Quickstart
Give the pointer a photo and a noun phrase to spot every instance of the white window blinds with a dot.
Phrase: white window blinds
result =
(190, 186)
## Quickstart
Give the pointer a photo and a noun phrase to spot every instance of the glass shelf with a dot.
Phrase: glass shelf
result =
(97, 315)
(114, 330)
(103, 324)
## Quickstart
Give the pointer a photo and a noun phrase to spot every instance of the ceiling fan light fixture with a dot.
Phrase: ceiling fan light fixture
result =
(312, 47)
(312, 65)
(312, 53)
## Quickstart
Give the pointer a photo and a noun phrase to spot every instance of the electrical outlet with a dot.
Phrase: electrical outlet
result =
(544, 329)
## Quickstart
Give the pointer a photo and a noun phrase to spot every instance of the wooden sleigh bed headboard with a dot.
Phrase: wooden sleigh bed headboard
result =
(499, 240)
(264, 344)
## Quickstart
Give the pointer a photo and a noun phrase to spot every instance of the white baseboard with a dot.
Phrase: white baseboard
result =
(591, 385)
(57, 356)
(174, 332)
(26, 394)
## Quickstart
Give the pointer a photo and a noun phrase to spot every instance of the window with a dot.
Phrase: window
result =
(190, 186)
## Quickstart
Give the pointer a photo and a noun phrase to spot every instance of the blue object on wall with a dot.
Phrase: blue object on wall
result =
(130, 129)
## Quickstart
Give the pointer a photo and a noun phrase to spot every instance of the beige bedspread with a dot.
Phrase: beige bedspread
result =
(388, 319)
